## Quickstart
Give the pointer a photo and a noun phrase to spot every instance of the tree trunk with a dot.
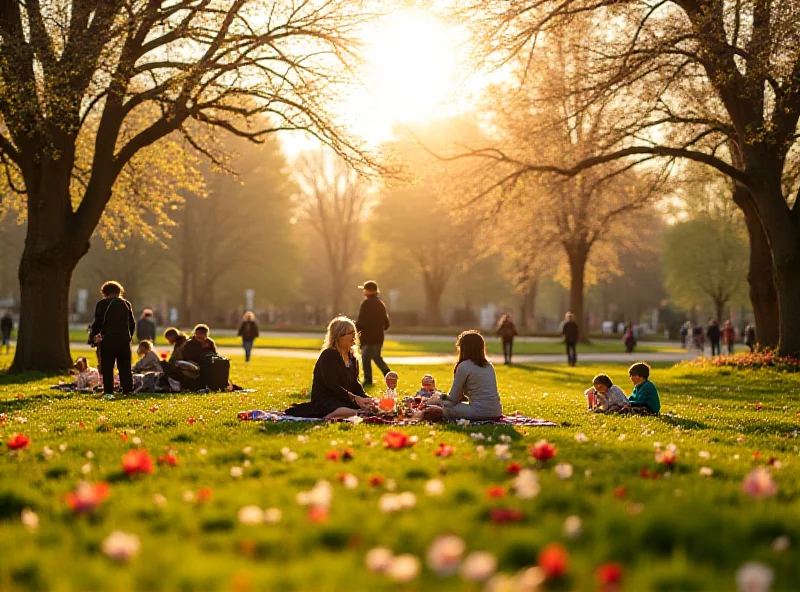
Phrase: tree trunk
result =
(433, 298)
(760, 276)
(528, 306)
(577, 254)
(719, 307)
(43, 336)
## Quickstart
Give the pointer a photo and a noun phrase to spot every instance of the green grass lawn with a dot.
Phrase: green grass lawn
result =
(681, 532)
(421, 346)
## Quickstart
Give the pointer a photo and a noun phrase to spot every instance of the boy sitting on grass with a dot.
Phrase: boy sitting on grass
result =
(644, 398)
(606, 397)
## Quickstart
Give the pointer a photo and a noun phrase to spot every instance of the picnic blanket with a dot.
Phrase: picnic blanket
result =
(280, 416)
(68, 387)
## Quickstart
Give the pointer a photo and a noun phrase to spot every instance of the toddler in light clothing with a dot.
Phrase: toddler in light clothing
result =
(605, 397)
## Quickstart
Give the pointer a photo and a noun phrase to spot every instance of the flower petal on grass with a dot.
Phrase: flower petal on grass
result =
(444, 554)
(554, 560)
(478, 566)
(543, 450)
(404, 568)
(137, 462)
(754, 577)
(759, 483)
(18, 441)
(120, 546)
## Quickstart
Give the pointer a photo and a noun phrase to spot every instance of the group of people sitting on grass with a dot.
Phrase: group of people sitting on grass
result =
(336, 392)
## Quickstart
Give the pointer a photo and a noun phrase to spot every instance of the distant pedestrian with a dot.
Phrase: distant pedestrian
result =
(570, 331)
(146, 327)
(6, 327)
(373, 321)
(750, 336)
(112, 331)
(248, 331)
(629, 339)
(697, 337)
(507, 331)
(686, 330)
(713, 334)
(729, 336)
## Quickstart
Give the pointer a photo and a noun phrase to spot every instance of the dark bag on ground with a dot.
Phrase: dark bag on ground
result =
(215, 372)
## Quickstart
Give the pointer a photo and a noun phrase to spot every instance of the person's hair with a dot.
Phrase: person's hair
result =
(428, 378)
(640, 369)
(336, 329)
(568, 316)
(248, 316)
(112, 289)
(145, 345)
(172, 332)
(471, 346)
(602, 379)
(147, 312)
(79, 360)
(432, 413)
(202, 328)
(504, 319)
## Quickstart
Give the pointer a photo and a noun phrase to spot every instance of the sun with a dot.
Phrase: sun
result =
(411, 74)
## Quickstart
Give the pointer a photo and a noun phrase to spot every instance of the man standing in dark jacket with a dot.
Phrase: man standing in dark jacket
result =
(112, 331)
(569, 329)
(6, 327)
(372, 321)
(713, 334)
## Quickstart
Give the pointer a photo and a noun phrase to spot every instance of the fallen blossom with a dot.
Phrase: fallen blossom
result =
(354, 419)
(89, 454)
(318, 514)
(17, 441)
(86, 469)
(543, 450)
(404, 568)
(496, 491)
(554, 560)
(237, 472)
(137, 462)
(394, 502)
(667, 456)
(396, 440)
(754, 577)
(349, 480)
(120, 546)
(706, 471)
(780, 543)
(573, 526)
(704, 454)
(526, 484)
(250, 515)
(477, 436)
(503, 515)
(272, 516)
(502, 451)
(759, 483)
(376, 481)
(289, 455)
(530, 579)
(462, 422)
(86, 497)
(320, 495)
(620, 492)
(159, 500)
(444, 450)
(444, 554)
(434, 487)
(168, 459)
(608, 574)
(62, 447)
(333, 455)
(29, 519)
(478, 566)
(513, 468)
(47, 453)
(564, 471)
(379, 559)
(191, 420)
(581, 437)
(205, 494)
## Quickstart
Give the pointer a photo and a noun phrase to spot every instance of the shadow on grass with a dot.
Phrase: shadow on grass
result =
(683, 423)
(7, 378)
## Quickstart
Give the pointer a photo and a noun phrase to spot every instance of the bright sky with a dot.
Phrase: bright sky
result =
(413, 71)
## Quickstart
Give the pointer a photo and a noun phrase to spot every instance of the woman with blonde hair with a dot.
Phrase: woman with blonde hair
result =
(248, 331)
(335, 390)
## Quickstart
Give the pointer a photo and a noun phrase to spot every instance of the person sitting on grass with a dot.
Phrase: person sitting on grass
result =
(335, 390)
(198, 346)
(148, 361)
(86, 377)
(606, 397)
(428, 389)
(644, 399)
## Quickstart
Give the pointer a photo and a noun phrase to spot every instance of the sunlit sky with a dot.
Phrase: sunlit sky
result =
(413, 73)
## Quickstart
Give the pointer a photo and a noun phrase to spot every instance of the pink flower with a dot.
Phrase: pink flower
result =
(668, 456)
(168, 459)
(86, 497)
(543, 450)
(396, 440)
(136, 462)
(759, 483)
(554, 560)
(18, 441)
(318, 514)
(444, 450)
(503, 515)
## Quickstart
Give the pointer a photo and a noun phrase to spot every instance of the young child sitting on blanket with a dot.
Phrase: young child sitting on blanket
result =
(428, 389)
(391, 380)
(644, 399)
(606, 397)
(86, 377)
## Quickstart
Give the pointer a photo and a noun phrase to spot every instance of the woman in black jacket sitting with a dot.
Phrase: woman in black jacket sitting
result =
(335, 391)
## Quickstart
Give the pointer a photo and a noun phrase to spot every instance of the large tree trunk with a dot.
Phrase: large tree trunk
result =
(719, 307)
(528, 306)
(433, 298)
(760, 276)
(577, 254)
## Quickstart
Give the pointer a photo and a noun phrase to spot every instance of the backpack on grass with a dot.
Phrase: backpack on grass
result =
(215, 372)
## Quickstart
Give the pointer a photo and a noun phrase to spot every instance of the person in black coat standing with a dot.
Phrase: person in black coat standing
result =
(146, 327)
(373, 321)
(248, 331)
(112, 331)
(570, 331)
(6, 327)
(713, 334)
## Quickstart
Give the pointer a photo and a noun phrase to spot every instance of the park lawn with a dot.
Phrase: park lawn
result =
(421, 347)
(682, 532)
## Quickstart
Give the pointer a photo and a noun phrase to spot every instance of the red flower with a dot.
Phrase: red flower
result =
(191, 420)
(86, 497)
(124, 436)
(759, 406)
(554, 560)
(496, 491)
(348, 454)
(376, 481)
(396, 440)
(137, 462)
(154, 408)
(543, 450)
(620, 492)
(756, 455)
(17, 441)
(318, 514)
(503, 515)
(444, 450)
(644, 473)
(203, 495)
(332, 455)
(608, 574)
(168, 459)
(513, 468)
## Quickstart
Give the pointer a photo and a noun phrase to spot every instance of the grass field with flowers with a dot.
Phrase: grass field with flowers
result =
(159, 492)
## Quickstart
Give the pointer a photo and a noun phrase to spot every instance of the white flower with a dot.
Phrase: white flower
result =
(47, 452)
(754, 577)
(478, 566)
(320, 495)
(502, 583)
(581, 437)
(501, 451)
(504, 438)
(62, 447)
(444, 554)
(564, 471)
(621, 437)
(706, 471)
(394, 502)
(247, 450)
(203, 451)
(159, 500)
(86, 469)
(463, 422)
(379, 559)
(350, 481)
(530, 580)
(477, 436)
(188, 496)
(573, 526)
(526, 484)
(237, 472)
(137, 441)
(120, 546)
(781, 543)
(89, 454)
(251, 515)
(30, 519)
(302, 439)
(272, 515)
(704, 454)
(404, 568)
(588, 473)
(391, 485)
(334, 443)
(413, 456)
(354, 419)
(434, 487)
(289, 455)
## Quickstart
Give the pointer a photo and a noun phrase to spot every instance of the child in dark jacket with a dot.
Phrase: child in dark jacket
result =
(644, 399)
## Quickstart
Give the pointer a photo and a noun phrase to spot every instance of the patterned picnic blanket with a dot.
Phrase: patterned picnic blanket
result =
(280, 416)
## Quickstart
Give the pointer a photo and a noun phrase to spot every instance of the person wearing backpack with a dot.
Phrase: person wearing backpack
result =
(112, 331)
